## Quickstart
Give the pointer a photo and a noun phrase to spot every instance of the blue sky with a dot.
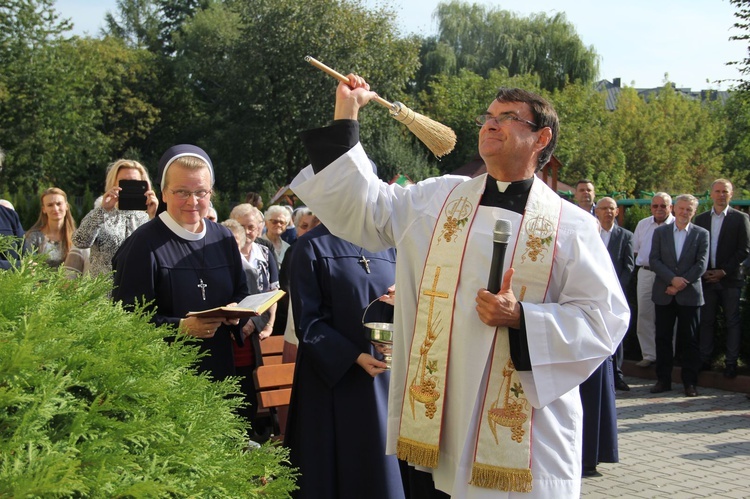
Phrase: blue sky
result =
(638, 40)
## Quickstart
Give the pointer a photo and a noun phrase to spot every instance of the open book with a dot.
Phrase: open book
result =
(249, 307)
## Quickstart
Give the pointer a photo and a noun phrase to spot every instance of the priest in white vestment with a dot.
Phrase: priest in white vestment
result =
(558, 335)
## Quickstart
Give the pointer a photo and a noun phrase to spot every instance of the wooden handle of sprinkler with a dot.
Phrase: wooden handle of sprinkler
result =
(342, 78)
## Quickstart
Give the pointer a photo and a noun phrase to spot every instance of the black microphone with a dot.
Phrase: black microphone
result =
(500, 238)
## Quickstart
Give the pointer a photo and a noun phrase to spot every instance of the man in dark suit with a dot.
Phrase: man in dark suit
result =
(722, 283)
(619, 243)
(679, 257)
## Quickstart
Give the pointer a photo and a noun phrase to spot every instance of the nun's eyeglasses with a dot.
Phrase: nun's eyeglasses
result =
(182, 194)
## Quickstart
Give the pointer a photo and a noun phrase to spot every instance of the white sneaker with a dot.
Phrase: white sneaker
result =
(644, 363)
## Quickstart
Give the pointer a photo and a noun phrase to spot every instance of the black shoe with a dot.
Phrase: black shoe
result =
(660, 387)
(621, 385)
(730, 371)
(690, 391)
(590, 471)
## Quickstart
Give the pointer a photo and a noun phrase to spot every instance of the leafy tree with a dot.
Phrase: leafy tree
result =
(136, 22)
(735, 114)
(255, 92)
(151, 24)
(396, 153)
(72, 108)
(27, 29)
(743, 24)
(27, 25)
(587, 147)
(174, 15)
(671, 143)
(479, 39)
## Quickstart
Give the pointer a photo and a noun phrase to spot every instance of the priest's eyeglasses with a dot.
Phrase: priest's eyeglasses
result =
(484, 118)
(183, 194)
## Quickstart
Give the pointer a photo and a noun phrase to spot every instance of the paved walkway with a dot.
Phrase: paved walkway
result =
(678, 447)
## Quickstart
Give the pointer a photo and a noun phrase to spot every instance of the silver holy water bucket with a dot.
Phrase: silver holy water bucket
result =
(381, 336)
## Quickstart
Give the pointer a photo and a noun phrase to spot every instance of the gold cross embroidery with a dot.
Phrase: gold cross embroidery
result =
(426, 392)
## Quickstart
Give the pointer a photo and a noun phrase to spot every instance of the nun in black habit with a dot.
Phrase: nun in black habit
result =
(180, 261)
(337, 417)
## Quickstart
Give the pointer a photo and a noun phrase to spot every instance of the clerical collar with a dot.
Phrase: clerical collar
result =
(511, 196)
(179, 230)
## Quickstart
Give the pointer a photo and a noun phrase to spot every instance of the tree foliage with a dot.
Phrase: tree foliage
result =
(587, 148)
(743, 24)
(229, 75)
(94, 403)
(477, 38)
(255, 92)
(736, 115)
(671, 143)
(136, 22)
(73, 106)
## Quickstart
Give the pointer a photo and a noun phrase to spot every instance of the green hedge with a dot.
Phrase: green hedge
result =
(94, 403)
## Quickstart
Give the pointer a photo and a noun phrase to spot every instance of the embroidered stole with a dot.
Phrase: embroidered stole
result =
(502, 456)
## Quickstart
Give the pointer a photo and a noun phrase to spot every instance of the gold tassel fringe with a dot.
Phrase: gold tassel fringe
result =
(494, 477)
(418, 453)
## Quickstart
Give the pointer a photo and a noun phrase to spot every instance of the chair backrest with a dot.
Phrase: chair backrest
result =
(271, 350)
(273, 384)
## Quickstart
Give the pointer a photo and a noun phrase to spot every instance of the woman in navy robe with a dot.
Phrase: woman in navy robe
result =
(337, 416)
(183, 262)
(599, 419)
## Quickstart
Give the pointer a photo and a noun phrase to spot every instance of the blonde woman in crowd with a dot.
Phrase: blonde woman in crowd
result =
(105, 227)
(51, 234)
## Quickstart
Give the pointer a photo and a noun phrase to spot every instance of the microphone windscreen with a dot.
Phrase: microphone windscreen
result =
(502, 231)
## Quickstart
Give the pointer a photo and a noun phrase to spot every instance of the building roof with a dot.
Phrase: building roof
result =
(614, 87)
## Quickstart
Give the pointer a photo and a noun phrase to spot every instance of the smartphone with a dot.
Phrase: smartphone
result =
(132, 195)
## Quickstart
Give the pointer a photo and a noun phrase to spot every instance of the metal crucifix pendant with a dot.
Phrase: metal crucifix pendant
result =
(203, 287)
(365, 263)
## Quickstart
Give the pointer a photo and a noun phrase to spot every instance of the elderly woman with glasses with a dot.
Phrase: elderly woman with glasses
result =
(277, 218)
(181, 262)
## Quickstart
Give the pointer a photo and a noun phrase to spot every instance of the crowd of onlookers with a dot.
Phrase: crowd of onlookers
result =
(263, 240)
(176, 255)
(690, 269)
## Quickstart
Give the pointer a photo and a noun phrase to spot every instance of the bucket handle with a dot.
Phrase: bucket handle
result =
(366, 308)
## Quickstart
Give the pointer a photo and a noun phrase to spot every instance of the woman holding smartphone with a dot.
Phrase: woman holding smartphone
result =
(105, 227)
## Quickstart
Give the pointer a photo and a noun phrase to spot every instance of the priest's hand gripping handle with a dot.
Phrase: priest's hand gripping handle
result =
(343, 79)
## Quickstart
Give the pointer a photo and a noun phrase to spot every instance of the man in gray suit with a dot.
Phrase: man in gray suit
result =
(729, 231)
(619, 243)
(679, 257)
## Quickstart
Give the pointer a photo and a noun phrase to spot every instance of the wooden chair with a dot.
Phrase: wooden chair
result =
(273, 383)
(271, 349)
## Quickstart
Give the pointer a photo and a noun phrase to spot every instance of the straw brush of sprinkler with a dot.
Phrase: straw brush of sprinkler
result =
(438, 138)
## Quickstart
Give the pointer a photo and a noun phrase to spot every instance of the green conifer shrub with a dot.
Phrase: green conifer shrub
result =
(94, 402)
